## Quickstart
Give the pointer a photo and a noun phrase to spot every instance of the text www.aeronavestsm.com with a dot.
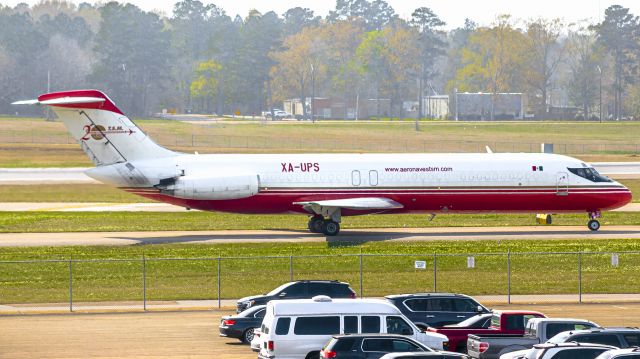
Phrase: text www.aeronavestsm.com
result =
(418, 169)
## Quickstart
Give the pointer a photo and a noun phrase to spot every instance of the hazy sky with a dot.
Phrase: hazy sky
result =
(452, 11)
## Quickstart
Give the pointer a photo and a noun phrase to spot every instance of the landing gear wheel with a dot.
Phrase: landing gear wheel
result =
(247, 336)
(330, 228)
(315, 224)
(593, 225)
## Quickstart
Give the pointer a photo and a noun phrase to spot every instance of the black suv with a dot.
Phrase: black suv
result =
(617, 337)
(374, 346)
(300, 289)
(436, 309)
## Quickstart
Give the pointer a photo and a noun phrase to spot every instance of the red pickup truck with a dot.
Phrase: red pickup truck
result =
(502, 322)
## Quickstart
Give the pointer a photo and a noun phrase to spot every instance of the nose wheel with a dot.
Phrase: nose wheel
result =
(593, 223)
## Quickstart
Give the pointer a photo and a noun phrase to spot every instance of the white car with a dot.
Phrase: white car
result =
(561, 351)
(299, 328)
(629, 353)
(256, 342)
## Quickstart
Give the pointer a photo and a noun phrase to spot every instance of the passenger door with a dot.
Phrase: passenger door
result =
(464, 308)
(562, 184)
(442, 311)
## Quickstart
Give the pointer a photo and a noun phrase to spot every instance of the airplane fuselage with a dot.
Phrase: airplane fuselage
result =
(429, 183)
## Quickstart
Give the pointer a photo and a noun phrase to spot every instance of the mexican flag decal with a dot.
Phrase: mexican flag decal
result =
(537, 168)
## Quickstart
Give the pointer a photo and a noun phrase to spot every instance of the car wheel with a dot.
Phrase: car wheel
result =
(247, 337)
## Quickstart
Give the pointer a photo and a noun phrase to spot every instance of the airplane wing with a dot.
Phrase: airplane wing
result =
(362, 203)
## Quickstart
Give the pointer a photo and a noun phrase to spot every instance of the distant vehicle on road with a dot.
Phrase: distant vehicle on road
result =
(241, 326)
(437, 309)
(299, 289)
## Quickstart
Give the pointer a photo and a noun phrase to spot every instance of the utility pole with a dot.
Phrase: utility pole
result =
(600, 108)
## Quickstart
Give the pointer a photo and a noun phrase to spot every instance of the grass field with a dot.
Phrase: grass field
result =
(191, 272)
(30, 222)
(28, 142)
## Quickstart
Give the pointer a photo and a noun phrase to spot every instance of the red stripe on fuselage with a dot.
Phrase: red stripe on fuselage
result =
(414, 200)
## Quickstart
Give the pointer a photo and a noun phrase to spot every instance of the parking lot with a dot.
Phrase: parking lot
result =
(190, 334)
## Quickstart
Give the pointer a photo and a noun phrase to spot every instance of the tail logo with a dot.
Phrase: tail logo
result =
(97, 132)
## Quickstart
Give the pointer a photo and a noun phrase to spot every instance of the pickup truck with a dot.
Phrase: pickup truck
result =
(538, 330)
(502, 322)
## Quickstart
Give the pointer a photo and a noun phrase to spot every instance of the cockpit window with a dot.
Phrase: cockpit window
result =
(589, 173)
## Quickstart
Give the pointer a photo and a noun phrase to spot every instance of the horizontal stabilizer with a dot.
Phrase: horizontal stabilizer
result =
(61, 101)
(362, 203)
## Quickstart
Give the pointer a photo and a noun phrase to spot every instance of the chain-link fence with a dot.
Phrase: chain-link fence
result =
(144, 281)
(267, 143)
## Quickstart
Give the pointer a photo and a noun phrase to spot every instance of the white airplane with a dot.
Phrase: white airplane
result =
(329, 186)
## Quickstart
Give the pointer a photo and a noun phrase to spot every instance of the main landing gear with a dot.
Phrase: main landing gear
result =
(593, 223)
(318, 224)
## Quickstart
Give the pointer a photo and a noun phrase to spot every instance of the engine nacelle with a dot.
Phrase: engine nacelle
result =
(214, 188)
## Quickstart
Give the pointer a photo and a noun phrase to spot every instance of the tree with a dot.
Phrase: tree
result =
(376, 14)
(493, 60)
(586, 63)
(431, 46)
(297, 18)
(618, 35)
(133, 53)
(544, 54)
(205, 85)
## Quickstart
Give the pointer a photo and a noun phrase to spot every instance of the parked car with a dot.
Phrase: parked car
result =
(477, 321)
(299, 289)
(502, 322)
(374, 346)
(565, 351)
(437, 309)
(241, 326)
(628, 353)
(538, 330)
(300, 328)
(618, 337)
(418, 355)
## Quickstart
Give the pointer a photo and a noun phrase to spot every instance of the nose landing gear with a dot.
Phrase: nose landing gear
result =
(593, 223)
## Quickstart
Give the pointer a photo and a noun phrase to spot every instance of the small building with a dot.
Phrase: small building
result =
(432, 107)
(325, 108)
(488, 106)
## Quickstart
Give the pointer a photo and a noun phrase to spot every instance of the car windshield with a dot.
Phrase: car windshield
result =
(279, 289)
(590, 174)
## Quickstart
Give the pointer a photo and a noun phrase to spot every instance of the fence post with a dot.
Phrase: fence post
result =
(435, 272)
(144, 283)
(219, 289)
(291, 268)
(509, 276)
(361, 286)
(580, 277)
(71, 285)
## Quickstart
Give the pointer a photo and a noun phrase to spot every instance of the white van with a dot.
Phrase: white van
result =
(299, 328)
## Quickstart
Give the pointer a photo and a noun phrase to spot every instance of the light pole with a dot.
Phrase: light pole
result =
(600, 108)
(313, 93)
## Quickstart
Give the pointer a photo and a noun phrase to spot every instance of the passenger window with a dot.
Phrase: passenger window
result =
(355, 178)
(350, 325)
(370, 324)
(319, 289)
(397, 325)
(607, 339)
(405, 346)
(416, 305)
(465, 305)
(282, 328)
(317, 326)
(295, 290)
(633, 340)
(377, 345)
(260, 313)
(441, 305)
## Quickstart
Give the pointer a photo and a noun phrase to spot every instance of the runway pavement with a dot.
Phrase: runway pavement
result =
(347, 235)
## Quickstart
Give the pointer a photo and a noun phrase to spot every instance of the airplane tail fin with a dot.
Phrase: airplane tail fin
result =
(105, 134)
